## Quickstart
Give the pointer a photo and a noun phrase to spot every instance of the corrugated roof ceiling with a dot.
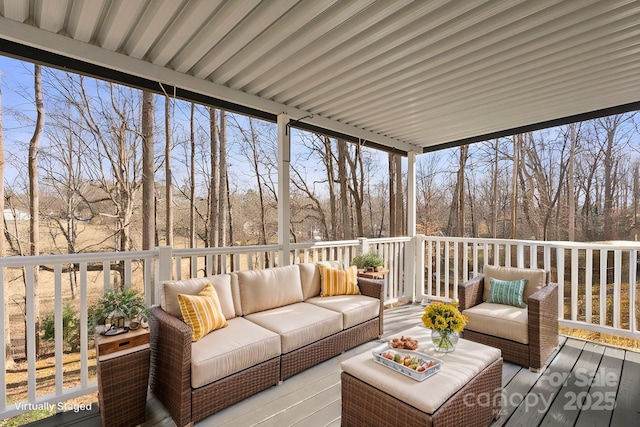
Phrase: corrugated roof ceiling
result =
(411, 75)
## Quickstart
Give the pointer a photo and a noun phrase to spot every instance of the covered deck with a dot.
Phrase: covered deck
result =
(409, 77)
(584, 384)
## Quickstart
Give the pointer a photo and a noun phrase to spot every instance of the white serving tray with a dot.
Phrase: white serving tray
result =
(398, 367)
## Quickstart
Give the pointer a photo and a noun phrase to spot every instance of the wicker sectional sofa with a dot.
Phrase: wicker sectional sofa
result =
(278, 325)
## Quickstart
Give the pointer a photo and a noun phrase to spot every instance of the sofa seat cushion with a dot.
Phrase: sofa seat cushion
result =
(241, 345)
(499, 320)
(355, 309)
(299, 324)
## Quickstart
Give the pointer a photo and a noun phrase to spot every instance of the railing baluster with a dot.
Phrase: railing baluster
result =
(30, 334)
(560, 263)
(633, 269)
(588, 284)
(616, 287)
(574, 284)
(84, 339)
(58, 331)
(603, 286)
(3, 343)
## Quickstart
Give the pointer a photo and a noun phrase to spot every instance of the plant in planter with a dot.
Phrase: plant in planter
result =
(359, 262)
(115, 308)
(373, 261)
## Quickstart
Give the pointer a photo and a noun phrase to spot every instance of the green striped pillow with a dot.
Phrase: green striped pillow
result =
(507, 292)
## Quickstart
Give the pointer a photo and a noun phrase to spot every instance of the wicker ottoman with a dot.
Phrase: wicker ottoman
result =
(465, 392)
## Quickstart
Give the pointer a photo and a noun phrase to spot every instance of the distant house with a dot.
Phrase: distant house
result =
(10, 215)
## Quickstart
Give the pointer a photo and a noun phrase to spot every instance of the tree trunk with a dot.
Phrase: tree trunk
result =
(192, 187)
(571, 194)
(148, 181)
(214, 185)
(34, 204)
(392, 195)
(223, 216)
(347, 230)
(494, 185)
(517, 143)
(168, 190)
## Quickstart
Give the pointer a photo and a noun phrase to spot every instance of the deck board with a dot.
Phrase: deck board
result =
(313, 398)
(605, 384)
(627, 411)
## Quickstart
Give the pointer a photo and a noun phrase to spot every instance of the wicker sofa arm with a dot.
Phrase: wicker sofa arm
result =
(170, 377)
(542, 309)
(373, 288)
(470, 292)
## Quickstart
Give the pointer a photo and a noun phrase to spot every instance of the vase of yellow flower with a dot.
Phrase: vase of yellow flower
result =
(445, 322)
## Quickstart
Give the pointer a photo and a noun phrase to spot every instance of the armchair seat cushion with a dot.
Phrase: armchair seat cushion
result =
(241, 345)
(500, 320)
(355, 309)
(299, 324)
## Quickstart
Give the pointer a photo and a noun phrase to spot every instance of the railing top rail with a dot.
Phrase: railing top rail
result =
(225, 250)
(388, 240)
(29, 261)
(324, 244)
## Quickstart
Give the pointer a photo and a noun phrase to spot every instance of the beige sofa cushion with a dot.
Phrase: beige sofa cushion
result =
(241, 345)
(536, 278)
(299, 324)
(355, 309)
(269, 288)
(499, 320)
(310, 278)
(222, 284)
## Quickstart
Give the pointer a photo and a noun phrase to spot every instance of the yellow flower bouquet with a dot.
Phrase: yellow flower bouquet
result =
(445, 321)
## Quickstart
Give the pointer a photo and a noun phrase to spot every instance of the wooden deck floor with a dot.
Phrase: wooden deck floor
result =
(581, 386)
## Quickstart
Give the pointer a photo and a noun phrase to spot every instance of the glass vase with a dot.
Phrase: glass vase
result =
(444, 341)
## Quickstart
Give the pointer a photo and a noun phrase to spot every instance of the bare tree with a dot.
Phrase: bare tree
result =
(346, 223)
(168, 173)
(148, 181)
(34, 205)
(456, 225)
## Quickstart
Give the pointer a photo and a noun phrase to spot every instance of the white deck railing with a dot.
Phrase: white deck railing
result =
(593, 279)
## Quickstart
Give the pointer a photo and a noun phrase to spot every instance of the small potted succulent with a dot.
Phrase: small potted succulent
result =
(373, 261)
(359, 262)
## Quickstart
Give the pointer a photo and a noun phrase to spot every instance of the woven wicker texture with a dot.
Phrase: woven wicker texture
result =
(542, 313)
(123, 385)
(364, 405)
(171, 363)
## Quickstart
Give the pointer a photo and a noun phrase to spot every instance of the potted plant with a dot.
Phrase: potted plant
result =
(373, 261)
(119, 311)
(359, 262)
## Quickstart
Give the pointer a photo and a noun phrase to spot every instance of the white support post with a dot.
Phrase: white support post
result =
(410, 256)
(284, 197)
(164, 269)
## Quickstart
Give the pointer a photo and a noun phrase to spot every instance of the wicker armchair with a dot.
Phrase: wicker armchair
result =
(526, 336)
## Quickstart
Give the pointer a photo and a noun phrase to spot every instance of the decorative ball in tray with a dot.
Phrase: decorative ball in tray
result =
(406, 343)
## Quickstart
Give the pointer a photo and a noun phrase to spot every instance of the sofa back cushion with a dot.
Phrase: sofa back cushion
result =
(269, 288)
(221, 283)
(310, 279)
(536, 278)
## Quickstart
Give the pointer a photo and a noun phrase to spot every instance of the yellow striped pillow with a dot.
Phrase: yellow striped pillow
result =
(202, 312)
(334, 281)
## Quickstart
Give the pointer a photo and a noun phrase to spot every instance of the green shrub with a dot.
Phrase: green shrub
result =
(70, 328)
